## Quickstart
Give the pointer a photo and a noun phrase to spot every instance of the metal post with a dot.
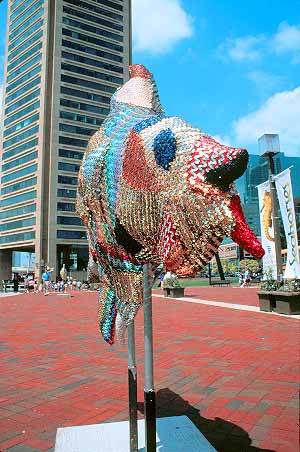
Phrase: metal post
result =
(220, 268)
(132, 389)
(275, 218)
(209, 273)
(149, 394)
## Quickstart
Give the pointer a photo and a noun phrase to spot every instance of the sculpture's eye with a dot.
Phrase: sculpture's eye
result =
(164, 147)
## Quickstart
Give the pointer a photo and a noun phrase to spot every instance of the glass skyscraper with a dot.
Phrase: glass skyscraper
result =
(64, 59)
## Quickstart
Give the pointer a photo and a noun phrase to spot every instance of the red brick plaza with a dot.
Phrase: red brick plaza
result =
(233, 372)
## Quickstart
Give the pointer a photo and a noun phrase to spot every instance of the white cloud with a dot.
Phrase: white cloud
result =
(287, 38)
(158, 25)
(266, 82)
(242, 49)
(279, 114)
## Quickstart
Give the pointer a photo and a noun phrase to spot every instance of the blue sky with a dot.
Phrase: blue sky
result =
(229, 67)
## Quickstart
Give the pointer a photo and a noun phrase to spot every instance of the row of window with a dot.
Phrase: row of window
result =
(81, 118)
(79, 235)
(16, 174)
(91, 62)
(27, 33)
(75, 129)
(92, 40)
(67, 180)
(18, 198)
(110, 4)
(66, 193)
(28, 133)
(87, 83)
(72, 167)
(17, 11)
(24, 57)
(26, 24)
(21, 148)
(20, 125)
(85, 107)
(18, 211)
(96, 9)
(66, 206)
(24, 68)
(94, 19)
(22, 112)
(20, 161)
(17, 237)
(91, 51)
(18, 224)
(23, 79)
(19, 186)
(16, 3)
(73, 142)
(70, 154)
(76, 221)
(24, 16)
(91, 73)
(24, 46)
(22, 90)
(90, 28)
(22, 101)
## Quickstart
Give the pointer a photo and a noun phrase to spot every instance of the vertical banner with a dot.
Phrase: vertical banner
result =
(284, 190)
(267, 230)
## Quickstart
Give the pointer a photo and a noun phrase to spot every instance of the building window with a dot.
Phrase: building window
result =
(23, 237)
(23, 79)
(91, 73)
(22, 101)
(24, 68)
(20, 125)
(94, 19)
(22, 90)
(30, 21)
(87, 84)
(70, 154)
(67, 180)
(84, 107)
(91, 62)
(76, 221)
(65, 193)
(19, 161)
(26, 55)
(27, 33)
(24, 16)
(68, 167)
(75, 129)
(16, 174)
(21, 148)
(97, 30)
(73, 142)
(96, 9)
(77, 235)
(25, 45)
(66, 206)
(18, 198)
(21, 113)
(81, 118)
(18, 211)
(18, 224)
(91, 51)
(110, 4)
(19, 186)
(21, 136)
(85, 95)
(92, 40)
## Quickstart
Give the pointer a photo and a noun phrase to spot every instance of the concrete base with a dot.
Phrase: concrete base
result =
(64, 295)
(174, 434)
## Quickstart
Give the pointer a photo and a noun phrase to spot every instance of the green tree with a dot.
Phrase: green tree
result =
(250, 264)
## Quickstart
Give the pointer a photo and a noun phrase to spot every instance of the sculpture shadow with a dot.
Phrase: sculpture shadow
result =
(223, 435)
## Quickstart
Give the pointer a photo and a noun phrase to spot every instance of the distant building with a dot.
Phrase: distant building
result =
(64, 59)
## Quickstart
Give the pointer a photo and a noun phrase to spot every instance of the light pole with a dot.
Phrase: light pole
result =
(269, 146)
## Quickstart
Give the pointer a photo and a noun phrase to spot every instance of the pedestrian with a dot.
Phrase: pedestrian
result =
(46, 277)
(247, 279)
(78, 285)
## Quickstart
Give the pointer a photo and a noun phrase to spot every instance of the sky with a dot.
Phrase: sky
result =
(229, 67)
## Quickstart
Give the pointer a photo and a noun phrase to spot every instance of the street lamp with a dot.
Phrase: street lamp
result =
(268, 145)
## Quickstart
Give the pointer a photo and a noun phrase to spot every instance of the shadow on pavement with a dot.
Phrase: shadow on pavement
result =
(223, 435)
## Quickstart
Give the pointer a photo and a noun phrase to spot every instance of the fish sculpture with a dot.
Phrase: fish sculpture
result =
(155, 189)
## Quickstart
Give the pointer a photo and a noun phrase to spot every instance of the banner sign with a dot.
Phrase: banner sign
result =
(267, 230)
(284, 190)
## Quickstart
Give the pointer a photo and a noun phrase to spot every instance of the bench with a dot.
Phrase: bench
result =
(221, 282)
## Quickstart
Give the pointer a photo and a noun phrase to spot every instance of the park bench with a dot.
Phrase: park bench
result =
(220, 282)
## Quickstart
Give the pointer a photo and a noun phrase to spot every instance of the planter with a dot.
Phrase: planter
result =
(266, 300)
(287, 302)
(174, 292)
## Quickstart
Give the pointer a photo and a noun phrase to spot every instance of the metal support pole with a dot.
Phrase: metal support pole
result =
(132, 390)
(275, 218)
(220, 268)
(149, 394)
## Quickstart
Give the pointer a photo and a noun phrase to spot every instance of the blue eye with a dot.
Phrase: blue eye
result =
(164, 147)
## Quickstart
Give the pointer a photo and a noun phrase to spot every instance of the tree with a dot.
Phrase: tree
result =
(250, 264)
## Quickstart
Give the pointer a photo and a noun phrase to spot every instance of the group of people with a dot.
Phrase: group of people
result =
(46, 284)
(245, 279)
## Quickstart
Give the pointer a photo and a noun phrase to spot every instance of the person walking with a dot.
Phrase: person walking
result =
(46, 277)
(246, 279)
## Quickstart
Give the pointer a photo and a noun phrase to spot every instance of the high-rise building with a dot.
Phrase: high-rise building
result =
(64, 59)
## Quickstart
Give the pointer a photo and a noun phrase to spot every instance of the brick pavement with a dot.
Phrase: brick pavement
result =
(234, 373)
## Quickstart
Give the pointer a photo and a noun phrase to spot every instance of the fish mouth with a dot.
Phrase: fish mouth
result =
(241, 233)
(222, 176)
